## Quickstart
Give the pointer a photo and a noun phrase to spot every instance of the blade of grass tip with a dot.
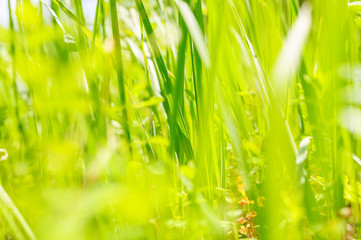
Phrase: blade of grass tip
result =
(95, 26)
(294, 8)
(4, 197)
(196, 61)
(179, 85)
(83, 28)
(195, 31)
(40, 11)
(158, 85)
(262, 81)
(20, 14)
(155, 48)
(143, 55)
(83, 44)
(197, 71)
(150, 70)
(102, 19)
(68, 39)
(166, 86)
(147, 64)
(119, 68)
(287, 63)
(54, 16)
(87, 59)
(55, 8)
(290, 56)
(207, 157)
(282, 151)
(79, 11)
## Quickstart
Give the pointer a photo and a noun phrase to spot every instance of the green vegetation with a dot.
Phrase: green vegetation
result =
(180, 119)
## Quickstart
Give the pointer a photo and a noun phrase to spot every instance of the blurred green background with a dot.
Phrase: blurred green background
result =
(180, 119)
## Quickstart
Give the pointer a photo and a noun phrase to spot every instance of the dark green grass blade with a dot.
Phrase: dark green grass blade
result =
(155, 48)
(119, 68)
(83, 28)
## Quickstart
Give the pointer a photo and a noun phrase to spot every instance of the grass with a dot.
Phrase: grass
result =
(184, 119)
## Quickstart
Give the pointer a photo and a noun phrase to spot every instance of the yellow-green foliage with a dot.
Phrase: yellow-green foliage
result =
(180, 119)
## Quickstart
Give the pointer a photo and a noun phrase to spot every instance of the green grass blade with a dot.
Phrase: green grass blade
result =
(6, 202)
(119, 68)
